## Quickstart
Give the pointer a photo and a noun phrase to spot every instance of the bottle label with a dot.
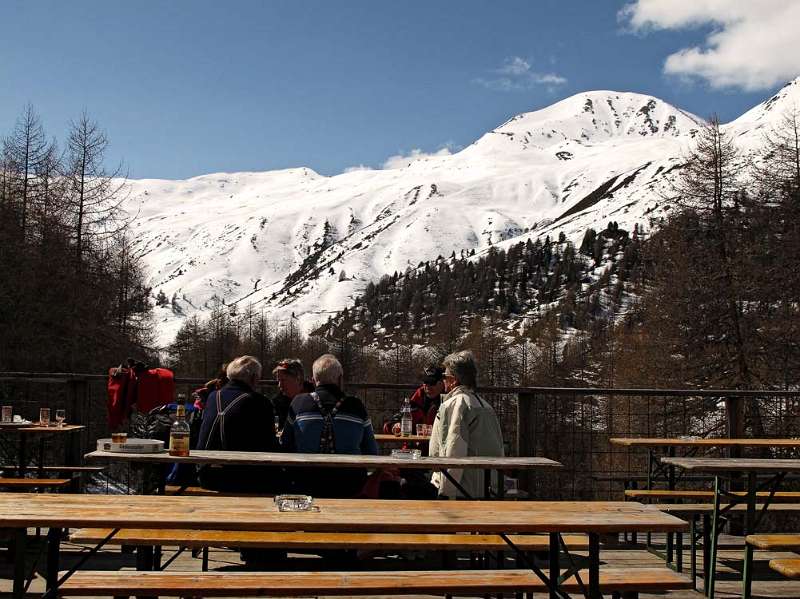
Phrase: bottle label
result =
(179, 444)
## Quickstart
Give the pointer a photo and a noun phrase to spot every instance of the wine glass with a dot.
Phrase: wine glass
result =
(60, 417)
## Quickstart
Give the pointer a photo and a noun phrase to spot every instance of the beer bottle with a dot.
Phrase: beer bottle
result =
(179, 434)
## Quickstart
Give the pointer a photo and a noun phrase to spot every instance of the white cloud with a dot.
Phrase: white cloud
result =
(753, 44)
(516, 74)
(358, 167)
(403, 160)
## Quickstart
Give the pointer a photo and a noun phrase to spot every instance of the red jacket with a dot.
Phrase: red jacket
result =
(423, 411)
(423, 408)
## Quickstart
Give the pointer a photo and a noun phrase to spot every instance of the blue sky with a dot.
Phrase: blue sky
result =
(185, 88)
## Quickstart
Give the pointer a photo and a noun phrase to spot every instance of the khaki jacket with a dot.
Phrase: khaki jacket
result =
(465, 425)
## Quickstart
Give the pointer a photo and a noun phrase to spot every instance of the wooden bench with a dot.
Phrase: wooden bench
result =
(314, 540)
(789, 542)
(628, 582)
(34, 483)
(780, 496)
(789, 567)
(77, 469)
(693, 512)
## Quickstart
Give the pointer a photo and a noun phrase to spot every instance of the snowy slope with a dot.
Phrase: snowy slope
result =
(294, 241)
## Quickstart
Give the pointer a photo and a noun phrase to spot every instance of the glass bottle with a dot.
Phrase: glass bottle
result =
(179, 434)
(406, 422)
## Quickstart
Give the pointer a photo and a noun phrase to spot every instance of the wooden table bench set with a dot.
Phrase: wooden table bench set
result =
(16, 477)
(257, 522)
(757, 482)
(555, 530)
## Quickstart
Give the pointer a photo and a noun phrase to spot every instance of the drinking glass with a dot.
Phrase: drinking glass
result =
(420, 430)
(44, 416)
(61, 415)
(8, 414)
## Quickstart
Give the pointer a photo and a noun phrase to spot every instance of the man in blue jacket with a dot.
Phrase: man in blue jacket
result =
(238, 418)
(329, 421)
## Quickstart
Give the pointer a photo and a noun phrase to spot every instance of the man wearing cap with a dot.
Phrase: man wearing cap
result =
(426, 399)
(291, 382)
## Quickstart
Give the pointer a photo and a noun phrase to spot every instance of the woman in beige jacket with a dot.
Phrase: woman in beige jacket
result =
(465, 425)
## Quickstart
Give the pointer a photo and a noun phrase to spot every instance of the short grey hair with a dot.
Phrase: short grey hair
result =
(327, 370)
(244, 369)
(461, 365)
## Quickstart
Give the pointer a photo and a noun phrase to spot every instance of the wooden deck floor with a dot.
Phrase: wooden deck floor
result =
(768, 584)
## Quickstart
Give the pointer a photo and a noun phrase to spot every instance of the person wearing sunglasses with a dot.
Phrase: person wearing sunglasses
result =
(291, 378)
(466, 425)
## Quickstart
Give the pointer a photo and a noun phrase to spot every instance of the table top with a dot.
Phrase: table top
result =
(695, 442)
(33, 429)
(253, 458)
(335, 515)
(387, 438)
(734, 464)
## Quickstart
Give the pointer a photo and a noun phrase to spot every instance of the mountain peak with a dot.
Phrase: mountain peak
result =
(770, 113)
(591, 117)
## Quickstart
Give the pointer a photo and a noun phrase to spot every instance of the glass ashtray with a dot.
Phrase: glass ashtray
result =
(407, 454)
(295, 503)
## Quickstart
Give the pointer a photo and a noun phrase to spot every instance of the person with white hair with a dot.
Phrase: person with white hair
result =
(239, 418)
(465, 425)
(329, 421)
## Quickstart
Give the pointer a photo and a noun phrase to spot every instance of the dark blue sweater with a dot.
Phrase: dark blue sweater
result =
(353, 435)
(249, 426)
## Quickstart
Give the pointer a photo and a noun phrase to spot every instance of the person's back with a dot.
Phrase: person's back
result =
(237, 418)
(329, 421)
(466, 425)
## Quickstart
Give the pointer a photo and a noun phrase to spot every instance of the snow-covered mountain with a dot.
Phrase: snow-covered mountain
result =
(294, 241)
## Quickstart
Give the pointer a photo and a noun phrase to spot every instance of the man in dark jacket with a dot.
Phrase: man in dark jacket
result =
(328, 421)
(291, 378)
(238, 418)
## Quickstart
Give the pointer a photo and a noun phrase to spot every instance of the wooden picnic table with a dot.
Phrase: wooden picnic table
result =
(701, 442)
(657, 469)
(38, 432)
(21, 511)
(321, 460)
(330, 460)
(751, 468)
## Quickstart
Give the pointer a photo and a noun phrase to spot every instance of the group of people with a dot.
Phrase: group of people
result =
(319, 417)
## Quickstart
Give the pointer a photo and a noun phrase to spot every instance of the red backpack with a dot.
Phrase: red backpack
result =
(137, 387)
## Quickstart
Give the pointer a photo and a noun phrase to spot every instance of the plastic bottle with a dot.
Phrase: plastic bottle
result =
(406, 422)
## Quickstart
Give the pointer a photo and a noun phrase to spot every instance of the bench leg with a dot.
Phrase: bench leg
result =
(706, 551)
(693, 551)
(679, 552)
(747, 571)
(205, 559)
(669, 548)
(53, 553)
(20, 547)
(715, 531)
(594, 566)
(553, 556)
(144, 561)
